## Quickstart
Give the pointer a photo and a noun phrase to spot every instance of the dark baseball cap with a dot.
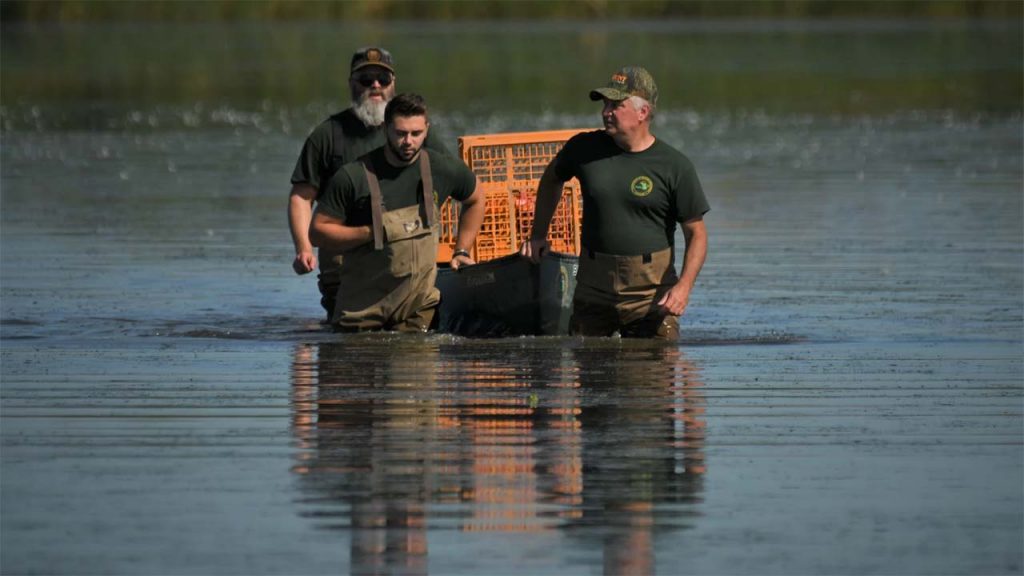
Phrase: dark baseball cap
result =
(628, 81)
(372, 56)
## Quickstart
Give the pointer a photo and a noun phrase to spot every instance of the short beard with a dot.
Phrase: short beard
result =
(370, 112)
(398, 152)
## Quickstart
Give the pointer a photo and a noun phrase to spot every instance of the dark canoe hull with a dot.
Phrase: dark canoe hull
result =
(508, 296)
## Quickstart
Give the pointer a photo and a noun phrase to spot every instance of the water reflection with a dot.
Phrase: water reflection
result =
(599, 442)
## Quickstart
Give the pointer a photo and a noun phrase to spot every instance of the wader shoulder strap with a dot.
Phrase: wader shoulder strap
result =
(428, 187)
(376, 202)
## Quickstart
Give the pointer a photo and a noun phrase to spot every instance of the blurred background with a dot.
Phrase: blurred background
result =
(278, 58)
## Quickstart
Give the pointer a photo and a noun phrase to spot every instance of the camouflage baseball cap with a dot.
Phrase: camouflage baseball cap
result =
(626, 82)
(372, 56)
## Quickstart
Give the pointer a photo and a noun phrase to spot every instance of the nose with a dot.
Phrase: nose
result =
(609, 106)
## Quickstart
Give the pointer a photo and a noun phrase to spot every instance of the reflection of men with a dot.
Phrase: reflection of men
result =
(635, 189)
(605, 443)
(362, 448)
(340, 139)
(380, 214)
(642, 438)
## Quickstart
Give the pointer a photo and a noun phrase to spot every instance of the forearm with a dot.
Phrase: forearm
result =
(694, 256)
(331, 234)
(674, 301)
(549, 193)
(300, 214)
(470, 219)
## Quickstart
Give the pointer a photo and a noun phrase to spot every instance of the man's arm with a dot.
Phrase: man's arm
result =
(675, 300)
(300, 213)
(331, 233)
(470, 219)
(549, 193)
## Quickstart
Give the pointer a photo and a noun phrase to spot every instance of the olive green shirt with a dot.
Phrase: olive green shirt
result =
(632, 201)
(347, 195)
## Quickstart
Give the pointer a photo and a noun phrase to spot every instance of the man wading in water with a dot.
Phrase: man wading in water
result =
(340, 139)
(380, 214)
(635, 188)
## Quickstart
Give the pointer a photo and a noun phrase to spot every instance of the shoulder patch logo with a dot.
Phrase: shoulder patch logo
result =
(641, 186)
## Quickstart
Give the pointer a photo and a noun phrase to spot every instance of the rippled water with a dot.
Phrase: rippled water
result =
(845, 398)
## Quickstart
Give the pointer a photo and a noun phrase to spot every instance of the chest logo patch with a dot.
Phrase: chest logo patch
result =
(641, 186)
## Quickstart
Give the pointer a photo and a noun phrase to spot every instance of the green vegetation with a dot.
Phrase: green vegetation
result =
(282, 10)
(856, 67)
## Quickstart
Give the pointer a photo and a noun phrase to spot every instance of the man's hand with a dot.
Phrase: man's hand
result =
(304, 263)
(460, 261)
(675, 300)
(534, 249)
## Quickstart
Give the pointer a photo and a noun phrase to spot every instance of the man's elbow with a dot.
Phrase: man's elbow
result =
(316, 235)
(475, 202)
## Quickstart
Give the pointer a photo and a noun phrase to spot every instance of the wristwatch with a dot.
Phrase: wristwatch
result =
(460, 252)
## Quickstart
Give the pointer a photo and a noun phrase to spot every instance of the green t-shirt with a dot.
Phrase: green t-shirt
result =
(631, 200)
(347, 195)
(341, 139)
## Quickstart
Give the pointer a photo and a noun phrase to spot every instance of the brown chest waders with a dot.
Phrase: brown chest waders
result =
(327, 279)
(389, 284)
(620, 294)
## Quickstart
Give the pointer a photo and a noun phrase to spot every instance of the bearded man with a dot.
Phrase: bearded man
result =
(342, 138)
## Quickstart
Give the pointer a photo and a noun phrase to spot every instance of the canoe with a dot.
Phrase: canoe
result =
(508, 296)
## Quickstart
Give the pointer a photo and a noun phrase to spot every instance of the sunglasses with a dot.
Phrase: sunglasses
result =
(382, 78)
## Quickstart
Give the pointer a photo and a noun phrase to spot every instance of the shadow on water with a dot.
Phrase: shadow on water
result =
(600, 444)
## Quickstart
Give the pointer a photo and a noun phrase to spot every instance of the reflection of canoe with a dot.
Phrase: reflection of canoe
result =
(508, 296)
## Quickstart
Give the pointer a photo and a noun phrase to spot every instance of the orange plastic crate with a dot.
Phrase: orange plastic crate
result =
(508, 168)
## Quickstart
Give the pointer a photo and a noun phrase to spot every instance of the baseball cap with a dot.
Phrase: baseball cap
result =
(628, 81)
(372, 56)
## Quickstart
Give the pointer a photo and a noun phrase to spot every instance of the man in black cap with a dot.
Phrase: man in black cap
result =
(636, 189)
(342, 138)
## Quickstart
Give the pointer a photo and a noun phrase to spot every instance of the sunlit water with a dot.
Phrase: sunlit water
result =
(845, 398)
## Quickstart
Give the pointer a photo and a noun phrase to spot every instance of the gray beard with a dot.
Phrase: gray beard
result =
(370, 112)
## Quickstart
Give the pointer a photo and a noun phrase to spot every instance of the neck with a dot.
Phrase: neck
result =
(635, 142)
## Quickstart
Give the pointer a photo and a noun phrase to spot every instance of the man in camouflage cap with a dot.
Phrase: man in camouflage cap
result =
(636, 189)
(338, 140)
(629, 81)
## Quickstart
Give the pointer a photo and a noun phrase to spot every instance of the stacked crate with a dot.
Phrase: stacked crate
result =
(508, 168)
